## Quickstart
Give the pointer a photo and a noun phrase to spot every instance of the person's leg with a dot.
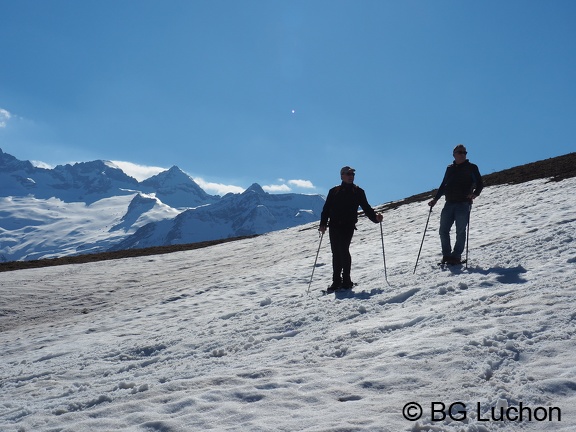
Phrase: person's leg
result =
(346, 258)
(446, 222)
(462, 214)
(335, 240)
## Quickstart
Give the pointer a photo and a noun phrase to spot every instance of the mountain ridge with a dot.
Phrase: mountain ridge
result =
(92, 207)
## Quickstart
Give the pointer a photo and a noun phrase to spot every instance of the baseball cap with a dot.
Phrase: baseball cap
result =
(347, 169)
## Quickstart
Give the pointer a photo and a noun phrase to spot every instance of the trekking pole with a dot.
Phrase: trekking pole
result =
(468, 235)
(313, 268)
(423, 236)
(383, 253)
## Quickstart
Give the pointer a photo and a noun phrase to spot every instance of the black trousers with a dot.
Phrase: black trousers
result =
(340, 239)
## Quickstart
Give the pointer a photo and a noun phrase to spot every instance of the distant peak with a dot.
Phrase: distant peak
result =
(172, 174)
(174, 171)
(255, 188)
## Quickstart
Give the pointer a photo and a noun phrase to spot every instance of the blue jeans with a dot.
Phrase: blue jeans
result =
(458, 212)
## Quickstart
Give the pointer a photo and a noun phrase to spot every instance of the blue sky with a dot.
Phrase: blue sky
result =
(284, 93)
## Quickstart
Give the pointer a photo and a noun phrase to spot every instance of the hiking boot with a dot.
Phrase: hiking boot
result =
(335, 285)
(347, 284)
(453, 260)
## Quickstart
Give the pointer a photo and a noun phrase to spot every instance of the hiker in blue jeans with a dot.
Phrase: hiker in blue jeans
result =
(462, 183)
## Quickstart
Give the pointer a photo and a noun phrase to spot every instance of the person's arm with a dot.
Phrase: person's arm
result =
(440, 191)
(326, 212)
(478, 182)
(368, 210)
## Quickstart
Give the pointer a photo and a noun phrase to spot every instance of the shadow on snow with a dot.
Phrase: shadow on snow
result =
(512, 275)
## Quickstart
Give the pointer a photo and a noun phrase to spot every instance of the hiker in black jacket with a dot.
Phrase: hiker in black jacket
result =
(341, 208)
(461, 184)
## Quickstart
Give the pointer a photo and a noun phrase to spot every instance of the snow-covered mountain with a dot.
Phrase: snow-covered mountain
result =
(85, 182)
(251, 212)
(89, 182)
(176, 189)
(94, 206)
(227, 338)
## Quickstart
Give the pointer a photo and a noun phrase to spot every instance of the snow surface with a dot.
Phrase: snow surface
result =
(227, 338)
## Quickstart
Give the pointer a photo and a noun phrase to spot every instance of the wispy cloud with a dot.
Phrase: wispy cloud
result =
(5, 116)
(139, 172)
(276, 188)
(303, 184)
(217, 188)
(288, 185)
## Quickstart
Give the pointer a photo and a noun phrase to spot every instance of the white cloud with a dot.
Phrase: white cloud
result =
(217, 188)
(139, 172)
(4, 117)
(277, 188)
(304, 184)
(285, 186)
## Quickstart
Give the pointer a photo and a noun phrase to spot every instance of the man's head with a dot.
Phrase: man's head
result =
(459, 153)
(347, 174)
(460, 149)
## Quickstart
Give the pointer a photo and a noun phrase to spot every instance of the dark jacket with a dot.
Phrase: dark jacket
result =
(460, 180)
(342, 203)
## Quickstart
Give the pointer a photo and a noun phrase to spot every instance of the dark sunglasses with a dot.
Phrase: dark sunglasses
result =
(350, 173)
(460, 152)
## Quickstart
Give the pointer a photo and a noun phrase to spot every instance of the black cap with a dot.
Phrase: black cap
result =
(346, 170)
